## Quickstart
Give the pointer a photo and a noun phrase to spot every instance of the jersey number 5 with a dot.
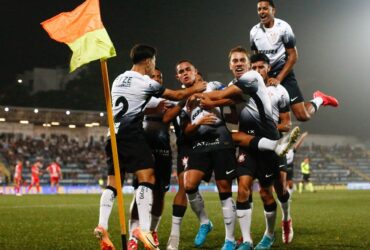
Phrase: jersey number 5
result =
(124, 109)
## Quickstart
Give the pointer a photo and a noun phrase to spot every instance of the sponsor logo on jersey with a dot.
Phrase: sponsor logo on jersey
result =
(270, 51)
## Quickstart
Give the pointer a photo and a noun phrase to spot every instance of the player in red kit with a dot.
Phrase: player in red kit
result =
(35, 180)
(55, 175)
(18, 178)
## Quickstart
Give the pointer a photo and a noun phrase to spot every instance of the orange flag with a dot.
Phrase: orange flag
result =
(83, 31)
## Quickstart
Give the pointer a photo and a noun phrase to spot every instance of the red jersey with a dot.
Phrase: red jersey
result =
(18, 171)
(35, 170)
(54, 169)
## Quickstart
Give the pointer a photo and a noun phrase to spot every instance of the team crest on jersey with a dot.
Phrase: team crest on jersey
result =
(185, 160)
(273, 37)
(242, 157)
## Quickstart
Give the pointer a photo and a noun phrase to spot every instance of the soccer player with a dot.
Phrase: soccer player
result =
(55, 174)
(187, 75)
(18, 178)
(158, 138)
(275, 38)
(213, 151)
(281, 115)
(256, 120)
(130, 93)
(35, 176)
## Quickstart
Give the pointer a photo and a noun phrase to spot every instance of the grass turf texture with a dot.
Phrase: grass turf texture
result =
(322, 220)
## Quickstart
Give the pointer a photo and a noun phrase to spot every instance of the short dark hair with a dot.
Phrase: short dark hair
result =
(259, 57)
(271, 2)
(140, 52)
(238, 49)
(182, 61)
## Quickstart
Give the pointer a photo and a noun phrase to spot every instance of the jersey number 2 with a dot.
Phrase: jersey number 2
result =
(124, 109)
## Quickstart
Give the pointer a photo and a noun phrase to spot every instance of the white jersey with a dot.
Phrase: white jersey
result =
(256, 117)
(130, 93)
(210, 137)
(198, 113)
(273, 42)
(279, 100)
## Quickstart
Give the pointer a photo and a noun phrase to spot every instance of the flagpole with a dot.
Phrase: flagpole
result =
(117, 175)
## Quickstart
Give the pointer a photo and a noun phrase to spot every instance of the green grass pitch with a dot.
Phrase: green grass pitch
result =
(322, 220)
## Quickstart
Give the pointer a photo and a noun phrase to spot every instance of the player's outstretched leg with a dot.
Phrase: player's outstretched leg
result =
(327, 100)
(287, 142)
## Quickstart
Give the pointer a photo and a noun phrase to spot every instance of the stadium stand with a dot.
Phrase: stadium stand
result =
(80, 150)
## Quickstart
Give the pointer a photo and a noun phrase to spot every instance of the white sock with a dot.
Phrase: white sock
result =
(197, 205)
(266, 144)
(228, 210)
(270, 219)
(285, 209)
(245, 220)
(106, 205)
(144, 201)
(132, 224)
(155, 223)
(176, 225)
(317, 101)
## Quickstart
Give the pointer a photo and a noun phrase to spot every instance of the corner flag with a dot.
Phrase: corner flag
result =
(83, 31)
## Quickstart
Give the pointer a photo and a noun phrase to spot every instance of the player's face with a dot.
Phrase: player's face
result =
(262, 68)
(157, 76)
(186, 73)
(266, 13)
(239, 64)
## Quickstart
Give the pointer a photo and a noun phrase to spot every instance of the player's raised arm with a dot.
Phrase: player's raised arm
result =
(291, 60)
(177, 95)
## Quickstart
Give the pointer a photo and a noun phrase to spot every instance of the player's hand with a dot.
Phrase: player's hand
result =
(162, 107)
(273, 81)
(192, 102)
(206, 102)
(199, 86)
(208, 119)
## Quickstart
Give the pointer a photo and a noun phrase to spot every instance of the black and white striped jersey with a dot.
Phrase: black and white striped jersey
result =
(273, 42)
(131, 91)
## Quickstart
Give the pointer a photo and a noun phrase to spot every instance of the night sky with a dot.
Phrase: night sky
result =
(332, 40)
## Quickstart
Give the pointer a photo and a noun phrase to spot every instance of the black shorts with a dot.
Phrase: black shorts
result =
(222, 162)
(283, 164)
(263, 165)
(162, 168)
(306, 177)
(291, 85)
(133, 153)
(289, 173)
(183, 155)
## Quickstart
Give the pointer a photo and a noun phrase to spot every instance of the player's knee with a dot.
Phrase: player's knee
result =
(266, 196)
(243, 193)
